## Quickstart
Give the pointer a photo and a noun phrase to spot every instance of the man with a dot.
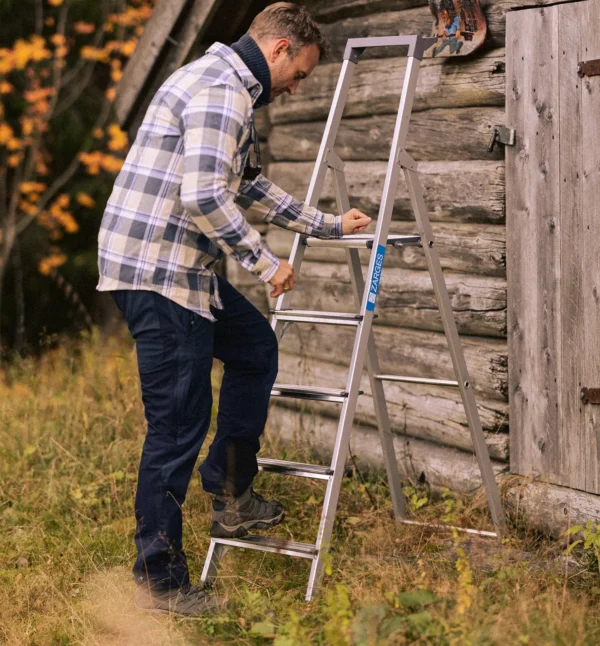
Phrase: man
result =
(174, 211)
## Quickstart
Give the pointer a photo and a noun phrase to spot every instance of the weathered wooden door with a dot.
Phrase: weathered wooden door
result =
(553, 243)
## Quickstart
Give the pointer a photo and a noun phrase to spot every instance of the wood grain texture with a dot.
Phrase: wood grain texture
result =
(412, 353)
(434, 135)
(417, 459)
(470, 191)
(538, 505)
(569, 431)
(476, 80)
(190, 27)
(589, 349)
(406, 298)
(463, 248)
(417, 20)
(156, 31)
(533, 254)
(331, 10)
(552, 189)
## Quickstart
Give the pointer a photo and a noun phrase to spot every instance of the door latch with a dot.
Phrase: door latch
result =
(502, 135)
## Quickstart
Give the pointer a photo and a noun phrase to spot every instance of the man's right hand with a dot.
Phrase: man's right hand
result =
(283, 280)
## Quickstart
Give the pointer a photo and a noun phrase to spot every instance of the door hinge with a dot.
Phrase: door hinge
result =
(589, 68)
(502, 135)
(590, 395)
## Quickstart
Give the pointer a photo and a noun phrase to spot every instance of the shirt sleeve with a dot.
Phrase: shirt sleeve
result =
(212, 129)
(269, 202)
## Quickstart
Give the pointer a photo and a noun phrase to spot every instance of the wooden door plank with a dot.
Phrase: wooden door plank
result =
(570, 465)
(590, 198)
(533, 259)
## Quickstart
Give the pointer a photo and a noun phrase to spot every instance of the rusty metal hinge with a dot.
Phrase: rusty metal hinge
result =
(589, 68)
(590, 395)
(502, 135)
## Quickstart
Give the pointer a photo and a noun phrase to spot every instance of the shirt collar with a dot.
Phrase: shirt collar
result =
(248, 79)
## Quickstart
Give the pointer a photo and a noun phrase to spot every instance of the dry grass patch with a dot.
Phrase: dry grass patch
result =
(71, 429)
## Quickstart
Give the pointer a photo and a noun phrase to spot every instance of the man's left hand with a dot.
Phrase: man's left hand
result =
(354, 222)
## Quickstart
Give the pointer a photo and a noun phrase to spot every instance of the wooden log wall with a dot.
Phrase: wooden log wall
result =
(458, 101)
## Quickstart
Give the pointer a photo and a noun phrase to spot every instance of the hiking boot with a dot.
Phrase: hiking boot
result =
(234, 517)
(187, 601)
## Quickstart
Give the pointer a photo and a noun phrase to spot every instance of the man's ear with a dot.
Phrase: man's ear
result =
(280, 47)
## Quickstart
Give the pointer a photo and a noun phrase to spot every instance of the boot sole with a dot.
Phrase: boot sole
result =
(218, 530)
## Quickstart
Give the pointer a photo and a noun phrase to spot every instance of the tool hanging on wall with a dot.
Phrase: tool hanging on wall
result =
(459, 26)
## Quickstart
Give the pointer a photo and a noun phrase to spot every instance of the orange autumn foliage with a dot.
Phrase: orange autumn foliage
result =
(36, 68)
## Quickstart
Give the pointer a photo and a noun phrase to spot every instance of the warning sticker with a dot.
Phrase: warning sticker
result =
(375, 278)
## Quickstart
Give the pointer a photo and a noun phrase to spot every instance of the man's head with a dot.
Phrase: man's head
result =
(291, 42)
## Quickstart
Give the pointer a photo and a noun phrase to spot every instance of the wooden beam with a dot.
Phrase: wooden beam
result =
(476, 80)
(538, 505)
(469, 191)
(463, 248)
(412, 353)
(434, 135)
(440, 466)
(406, 298)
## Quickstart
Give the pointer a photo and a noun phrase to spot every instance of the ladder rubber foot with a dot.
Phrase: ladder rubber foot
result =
(275, 545)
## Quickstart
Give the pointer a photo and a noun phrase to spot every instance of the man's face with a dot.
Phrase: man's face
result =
(286, 72)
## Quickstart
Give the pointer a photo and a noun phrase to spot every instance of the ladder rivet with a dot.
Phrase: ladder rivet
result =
(467, 384)
(430, 244)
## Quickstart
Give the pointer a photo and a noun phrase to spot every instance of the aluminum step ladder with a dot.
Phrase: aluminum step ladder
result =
(364, 344)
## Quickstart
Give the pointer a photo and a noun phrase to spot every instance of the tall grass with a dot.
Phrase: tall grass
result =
(71, 429)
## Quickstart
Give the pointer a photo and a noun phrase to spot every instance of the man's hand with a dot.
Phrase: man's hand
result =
(283, 280)
(354, 222)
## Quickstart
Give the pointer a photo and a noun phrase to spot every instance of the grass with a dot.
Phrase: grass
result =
(71, 429)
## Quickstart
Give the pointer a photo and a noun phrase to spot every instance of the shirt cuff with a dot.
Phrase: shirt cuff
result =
(331, 227)
(266, 266)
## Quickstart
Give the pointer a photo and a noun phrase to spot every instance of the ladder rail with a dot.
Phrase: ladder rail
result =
(454, 346)
(373, 369)
(367, 307)
(318, 178)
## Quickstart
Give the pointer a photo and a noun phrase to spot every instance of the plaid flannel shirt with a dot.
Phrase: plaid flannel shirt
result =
(176, 206)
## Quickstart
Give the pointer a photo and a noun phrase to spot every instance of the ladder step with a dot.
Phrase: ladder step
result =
(327, 318)
(418, 380)
(310, 392)
(276, 545)
(282, 467)
(363, 241)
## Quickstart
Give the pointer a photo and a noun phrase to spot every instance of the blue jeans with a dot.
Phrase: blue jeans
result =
(175, 350)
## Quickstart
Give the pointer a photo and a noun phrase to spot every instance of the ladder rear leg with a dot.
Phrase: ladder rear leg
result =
(216, 552)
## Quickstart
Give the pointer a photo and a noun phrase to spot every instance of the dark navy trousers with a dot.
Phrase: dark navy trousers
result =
(175, 350)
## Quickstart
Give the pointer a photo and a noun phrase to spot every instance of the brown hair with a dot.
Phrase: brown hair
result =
(291, 21)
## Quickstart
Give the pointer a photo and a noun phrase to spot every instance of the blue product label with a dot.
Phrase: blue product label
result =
(375, 278)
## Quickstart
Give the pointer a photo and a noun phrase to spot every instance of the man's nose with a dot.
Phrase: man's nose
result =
(292, 87)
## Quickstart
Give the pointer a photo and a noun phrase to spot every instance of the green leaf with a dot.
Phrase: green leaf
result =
(573, 530)
(572, 545)
(367, 622)
(419, 621)
(392, 625)
(353, 520)
(416, 598)
(263, 629)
